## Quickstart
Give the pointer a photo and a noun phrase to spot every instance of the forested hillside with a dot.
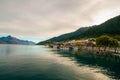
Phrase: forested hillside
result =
(110, 27)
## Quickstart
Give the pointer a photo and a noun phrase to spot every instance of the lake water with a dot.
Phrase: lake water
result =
(22, 62)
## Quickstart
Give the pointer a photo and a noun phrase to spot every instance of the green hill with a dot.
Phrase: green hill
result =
(110, 27)
(66, 36)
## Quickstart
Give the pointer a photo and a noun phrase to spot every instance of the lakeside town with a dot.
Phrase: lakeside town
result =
(101, 45)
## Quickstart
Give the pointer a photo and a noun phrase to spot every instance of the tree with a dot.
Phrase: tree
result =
(117, 37)
(107, 41)
(79, 44)
(103, 41)
(114, 44)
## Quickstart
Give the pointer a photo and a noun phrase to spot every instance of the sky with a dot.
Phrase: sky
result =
(38, 20)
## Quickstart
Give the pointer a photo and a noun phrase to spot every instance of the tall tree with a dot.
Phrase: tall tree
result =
(107, 41)
(114, 44)
(103, 41)
(117, 37)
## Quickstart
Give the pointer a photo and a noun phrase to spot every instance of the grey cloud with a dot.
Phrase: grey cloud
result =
(48, 18)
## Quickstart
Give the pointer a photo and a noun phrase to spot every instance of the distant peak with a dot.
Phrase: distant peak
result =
(13, 40)
(9, 36)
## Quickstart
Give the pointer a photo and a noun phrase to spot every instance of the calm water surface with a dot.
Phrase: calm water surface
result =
(20, 62)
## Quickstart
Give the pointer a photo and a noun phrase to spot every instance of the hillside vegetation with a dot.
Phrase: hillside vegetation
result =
(110, 27)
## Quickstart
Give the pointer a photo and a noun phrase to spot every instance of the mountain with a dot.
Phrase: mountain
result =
(110, 27)
(13, 40)
(66, 36)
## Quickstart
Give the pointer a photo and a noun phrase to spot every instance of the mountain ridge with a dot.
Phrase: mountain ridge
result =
(110, 27)
(13, 40)
(66, 36)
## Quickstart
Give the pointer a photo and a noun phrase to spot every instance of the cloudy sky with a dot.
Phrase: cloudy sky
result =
(41, 19)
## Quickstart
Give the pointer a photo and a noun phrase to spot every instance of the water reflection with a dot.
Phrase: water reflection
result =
(108, 63)
(6, 49)
(42, 63)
